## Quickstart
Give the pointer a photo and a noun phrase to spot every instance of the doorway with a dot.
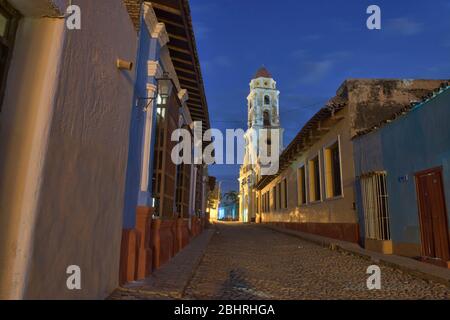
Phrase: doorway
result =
(433, 216)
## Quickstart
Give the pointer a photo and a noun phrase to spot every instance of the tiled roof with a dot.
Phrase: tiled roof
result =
(134, 10)
(406, 109)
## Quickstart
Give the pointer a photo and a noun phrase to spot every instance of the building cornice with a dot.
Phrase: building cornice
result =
(156, 29)
(154, 69)
(183, 96)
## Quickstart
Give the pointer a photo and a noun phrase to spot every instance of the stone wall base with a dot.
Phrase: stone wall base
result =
(153, 243)
(407, 249)
(128, 255)
(340, 231)
(145, 252)
(382, 246)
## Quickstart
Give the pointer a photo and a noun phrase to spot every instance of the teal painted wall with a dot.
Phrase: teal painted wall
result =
(417, 141)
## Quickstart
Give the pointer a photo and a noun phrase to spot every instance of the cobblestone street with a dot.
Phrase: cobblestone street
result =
(252, 262)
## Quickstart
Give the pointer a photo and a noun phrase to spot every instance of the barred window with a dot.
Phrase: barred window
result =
(314, 180)
(375, 206)
(284, 194)
(301, 185)
(333, 180)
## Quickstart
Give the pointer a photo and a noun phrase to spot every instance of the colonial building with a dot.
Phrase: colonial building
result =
(85, 123)
(263, 122)
(403, 177)
(163, 201)
(314, 190)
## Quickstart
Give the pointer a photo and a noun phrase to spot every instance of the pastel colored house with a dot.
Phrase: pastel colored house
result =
(79, 173)
(314, 190)
(165, 203)
(403, 170)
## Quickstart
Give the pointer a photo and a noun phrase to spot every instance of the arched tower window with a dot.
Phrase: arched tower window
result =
(266, 118)
(266, 100)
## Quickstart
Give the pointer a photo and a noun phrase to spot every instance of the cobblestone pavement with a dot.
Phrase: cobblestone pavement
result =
(168, 282)
(252, 262)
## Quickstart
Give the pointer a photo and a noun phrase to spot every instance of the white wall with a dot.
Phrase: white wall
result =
(25, 120)
(78, 173)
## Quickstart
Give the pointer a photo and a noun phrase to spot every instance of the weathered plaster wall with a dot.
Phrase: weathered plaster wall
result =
(79, 217)
(373, 100)
(417, 141)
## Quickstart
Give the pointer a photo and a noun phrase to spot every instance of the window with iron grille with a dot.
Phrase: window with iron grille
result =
(284, 193)
(314, 180)
(333, 181)
(375, 205)
(262, 203)
(301, 185)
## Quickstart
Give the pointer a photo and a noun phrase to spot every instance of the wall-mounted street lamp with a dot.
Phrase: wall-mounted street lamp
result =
(164, 87)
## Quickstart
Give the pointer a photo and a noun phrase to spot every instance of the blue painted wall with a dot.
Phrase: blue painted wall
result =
(149, 49)
(418, 141)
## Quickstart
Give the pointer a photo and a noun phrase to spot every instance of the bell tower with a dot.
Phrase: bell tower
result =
(263, 106)
(263, 116)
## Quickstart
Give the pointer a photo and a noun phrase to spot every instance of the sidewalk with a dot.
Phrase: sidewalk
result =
(419, 269)
(170, 281)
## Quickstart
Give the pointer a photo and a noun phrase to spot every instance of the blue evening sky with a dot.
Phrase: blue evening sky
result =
(310, 47)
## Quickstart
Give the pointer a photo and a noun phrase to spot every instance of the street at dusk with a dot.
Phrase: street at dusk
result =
(219, 158)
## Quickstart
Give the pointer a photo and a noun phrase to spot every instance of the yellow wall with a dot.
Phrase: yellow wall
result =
(332, 210)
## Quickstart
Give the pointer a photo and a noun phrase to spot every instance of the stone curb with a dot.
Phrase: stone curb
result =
(418, 269)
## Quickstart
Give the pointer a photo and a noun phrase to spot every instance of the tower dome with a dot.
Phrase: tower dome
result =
(262, 73)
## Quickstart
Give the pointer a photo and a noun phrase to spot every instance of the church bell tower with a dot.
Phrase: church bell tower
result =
(263, 108)
(263, 119)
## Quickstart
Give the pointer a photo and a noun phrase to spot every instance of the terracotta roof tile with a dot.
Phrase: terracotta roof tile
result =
(134, 10)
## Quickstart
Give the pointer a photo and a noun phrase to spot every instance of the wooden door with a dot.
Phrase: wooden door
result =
(433, 215)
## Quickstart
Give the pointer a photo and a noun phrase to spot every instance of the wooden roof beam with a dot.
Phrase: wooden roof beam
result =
(195, 105)
(169, 22)
(178, 49)
(183, 61)
(187, 79)
(186, 71)
(181, 38)
(166, 8)
(189, 87)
